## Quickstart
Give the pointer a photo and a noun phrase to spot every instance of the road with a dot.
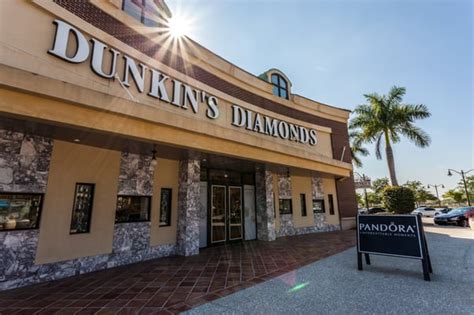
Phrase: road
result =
(389, 286)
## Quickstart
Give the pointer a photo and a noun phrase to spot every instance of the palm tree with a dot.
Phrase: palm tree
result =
(357, 150)
(385, 118)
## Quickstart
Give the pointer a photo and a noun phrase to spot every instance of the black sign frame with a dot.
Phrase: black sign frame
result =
(421, 253)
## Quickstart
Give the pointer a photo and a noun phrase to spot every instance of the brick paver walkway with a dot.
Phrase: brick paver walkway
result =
(174, 284)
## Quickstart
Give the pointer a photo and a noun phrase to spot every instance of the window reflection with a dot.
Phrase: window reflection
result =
(286, 206)
(280, 86)
(82, 209)
(144, 11)
(318, 206)
(132, 209)
(19, 211)
(165, 207)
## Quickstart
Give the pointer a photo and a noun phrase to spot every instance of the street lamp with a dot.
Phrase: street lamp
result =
(364, 179)
(462, 173)
(436, 188)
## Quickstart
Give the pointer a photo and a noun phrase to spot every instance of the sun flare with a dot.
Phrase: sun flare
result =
(178, 26)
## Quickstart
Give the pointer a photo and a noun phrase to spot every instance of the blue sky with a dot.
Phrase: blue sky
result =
(335, 51)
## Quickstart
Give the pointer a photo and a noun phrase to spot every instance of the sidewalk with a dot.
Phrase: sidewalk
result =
(388, 286)
(175, 284)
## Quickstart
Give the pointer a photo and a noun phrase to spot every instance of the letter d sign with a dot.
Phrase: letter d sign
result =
(63, 31)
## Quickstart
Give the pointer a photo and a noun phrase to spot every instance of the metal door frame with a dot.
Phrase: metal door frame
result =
(241, 213)
(225, 214)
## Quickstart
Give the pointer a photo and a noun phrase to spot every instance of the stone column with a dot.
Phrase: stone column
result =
(318, 193)
(188, 206)
(265, 204)
(285, 192)
(135, 179)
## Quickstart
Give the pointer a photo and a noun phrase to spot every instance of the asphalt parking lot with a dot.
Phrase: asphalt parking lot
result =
(389, 286)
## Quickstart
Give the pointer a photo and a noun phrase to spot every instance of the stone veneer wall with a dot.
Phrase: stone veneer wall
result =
(24, 162)
(28, 273)
(135, 179)
(286, 220)
(320, 225)
(265, 208)
(18, 248)
(285, 192)
(284, 186)
(189, 206)
(24, 167)
(317, 187)
(136, 175)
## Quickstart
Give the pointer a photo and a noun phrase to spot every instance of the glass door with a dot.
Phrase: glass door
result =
(235, 213)
(218, 213)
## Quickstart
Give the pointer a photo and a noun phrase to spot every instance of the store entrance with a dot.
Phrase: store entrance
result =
(230, 203)
(226, 213)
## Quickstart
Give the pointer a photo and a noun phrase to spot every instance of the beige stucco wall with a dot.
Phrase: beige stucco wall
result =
(302, 185)
(329, 186)
(28, 67)
(166, 176)
(72, 163)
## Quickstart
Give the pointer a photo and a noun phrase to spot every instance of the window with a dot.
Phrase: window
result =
(331, 204)
(303, 205)
(318, 206)
(280, 86)
(285, 206)
(133, 209)
(20, 211)
(165, 207)
(82, 208)
(144, 11)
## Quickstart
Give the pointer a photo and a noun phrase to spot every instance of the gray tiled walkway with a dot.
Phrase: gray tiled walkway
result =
(388, 286)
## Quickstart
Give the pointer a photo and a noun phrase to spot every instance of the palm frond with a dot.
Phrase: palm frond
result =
(356, 160)
(414, 112)
(356, 147)
(386, 114)
(415, 134)
(396, 94)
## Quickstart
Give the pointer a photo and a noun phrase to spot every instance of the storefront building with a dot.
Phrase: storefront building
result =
(119, 143)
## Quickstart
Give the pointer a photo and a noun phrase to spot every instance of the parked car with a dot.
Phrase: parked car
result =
(442, 211)
(458, 216)
(362, 211)
(375, 210)
(425, 211)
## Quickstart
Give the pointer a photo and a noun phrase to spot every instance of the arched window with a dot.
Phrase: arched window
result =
(280, 86)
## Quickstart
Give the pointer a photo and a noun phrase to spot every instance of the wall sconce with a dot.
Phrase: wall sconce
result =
(153, 157)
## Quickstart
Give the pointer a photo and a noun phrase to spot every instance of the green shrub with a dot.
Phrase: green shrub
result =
(398, 199)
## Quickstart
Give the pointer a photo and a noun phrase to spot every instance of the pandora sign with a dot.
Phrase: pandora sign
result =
(164, 88)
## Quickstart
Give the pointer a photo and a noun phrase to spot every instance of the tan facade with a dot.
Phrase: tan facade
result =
(27, 66)
(166, 176)
(91, 165)
(209, 124)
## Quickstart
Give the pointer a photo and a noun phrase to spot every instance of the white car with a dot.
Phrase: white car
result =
(425, 211)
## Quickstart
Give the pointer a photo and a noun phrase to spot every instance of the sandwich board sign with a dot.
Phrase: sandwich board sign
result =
(392, 235)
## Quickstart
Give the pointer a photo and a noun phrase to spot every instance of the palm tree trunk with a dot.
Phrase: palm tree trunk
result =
(390, 161)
